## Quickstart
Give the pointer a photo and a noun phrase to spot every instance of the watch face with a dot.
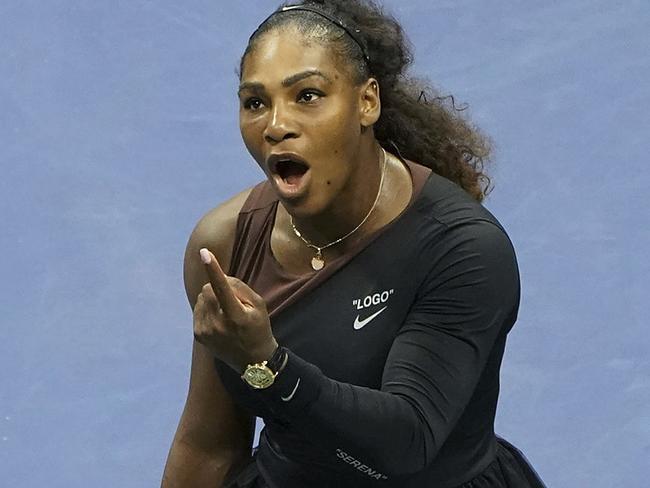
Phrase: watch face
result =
(259, 376)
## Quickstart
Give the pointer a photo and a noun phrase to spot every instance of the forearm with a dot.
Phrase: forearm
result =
(378, 428)
(189, 466)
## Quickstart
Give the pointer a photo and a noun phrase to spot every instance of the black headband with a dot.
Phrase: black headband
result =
(353, 33)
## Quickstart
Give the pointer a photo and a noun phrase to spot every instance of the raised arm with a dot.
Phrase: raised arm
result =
(431, 372)
(214, 437)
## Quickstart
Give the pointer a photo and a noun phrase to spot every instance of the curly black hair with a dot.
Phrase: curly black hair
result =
(416, 121)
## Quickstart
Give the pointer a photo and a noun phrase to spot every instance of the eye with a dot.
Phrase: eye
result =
(309, 95)
(253, 104)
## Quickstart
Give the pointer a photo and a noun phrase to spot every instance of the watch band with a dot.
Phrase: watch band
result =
(277, 360)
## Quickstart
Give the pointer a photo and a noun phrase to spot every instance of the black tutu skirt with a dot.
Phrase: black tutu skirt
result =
(510, 469)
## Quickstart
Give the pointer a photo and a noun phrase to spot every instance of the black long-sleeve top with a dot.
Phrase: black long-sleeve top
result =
(393, 370)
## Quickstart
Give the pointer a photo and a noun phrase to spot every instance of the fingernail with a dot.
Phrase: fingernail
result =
(205, 255)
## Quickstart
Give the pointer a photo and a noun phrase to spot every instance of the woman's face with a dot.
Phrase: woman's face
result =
(300, 119)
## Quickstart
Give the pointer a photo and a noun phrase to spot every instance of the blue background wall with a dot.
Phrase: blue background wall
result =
(118, 130)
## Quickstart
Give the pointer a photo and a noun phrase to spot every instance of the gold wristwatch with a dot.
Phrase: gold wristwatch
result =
(262, 375)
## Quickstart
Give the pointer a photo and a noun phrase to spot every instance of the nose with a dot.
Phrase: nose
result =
(280, 126)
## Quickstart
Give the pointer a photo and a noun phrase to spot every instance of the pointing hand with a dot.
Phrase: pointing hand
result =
(231, 319)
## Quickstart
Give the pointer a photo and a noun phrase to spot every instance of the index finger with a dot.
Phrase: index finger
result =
(222, 289)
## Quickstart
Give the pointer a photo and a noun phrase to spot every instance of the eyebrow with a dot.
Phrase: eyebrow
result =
(287, 82)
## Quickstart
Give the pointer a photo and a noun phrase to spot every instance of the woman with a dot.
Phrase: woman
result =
(368, 293)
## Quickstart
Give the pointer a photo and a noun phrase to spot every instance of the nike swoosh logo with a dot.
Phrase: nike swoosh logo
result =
(360, 324)
(295, 388)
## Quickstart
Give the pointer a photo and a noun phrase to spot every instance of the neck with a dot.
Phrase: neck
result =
(351, 207)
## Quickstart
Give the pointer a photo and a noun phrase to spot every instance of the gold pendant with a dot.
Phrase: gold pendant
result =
(317, 262)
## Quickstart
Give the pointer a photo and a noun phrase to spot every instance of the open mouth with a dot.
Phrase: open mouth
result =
(291, 171)
(291, 174)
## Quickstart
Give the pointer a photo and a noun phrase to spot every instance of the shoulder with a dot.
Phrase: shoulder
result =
(459, 236)
(215, 230)
(450, 205)
(476, 264)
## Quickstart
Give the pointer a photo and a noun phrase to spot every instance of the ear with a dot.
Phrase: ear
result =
(369, 103)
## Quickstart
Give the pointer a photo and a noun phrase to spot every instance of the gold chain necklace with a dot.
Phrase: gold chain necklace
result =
(318, 262)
